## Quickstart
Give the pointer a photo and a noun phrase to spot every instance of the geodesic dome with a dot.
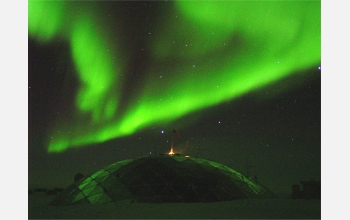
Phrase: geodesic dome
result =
(162, 179)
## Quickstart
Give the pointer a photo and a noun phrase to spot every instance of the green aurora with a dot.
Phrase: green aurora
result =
(214, 51)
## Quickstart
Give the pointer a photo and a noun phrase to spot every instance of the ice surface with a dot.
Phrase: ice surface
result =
(280, 208)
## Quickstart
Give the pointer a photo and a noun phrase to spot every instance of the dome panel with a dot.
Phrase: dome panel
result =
(94, 198)
(104, 199)
(146, 191)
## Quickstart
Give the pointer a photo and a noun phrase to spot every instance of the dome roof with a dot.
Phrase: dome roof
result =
(162, 179)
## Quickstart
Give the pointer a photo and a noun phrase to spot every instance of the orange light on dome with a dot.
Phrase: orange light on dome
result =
(171, 153)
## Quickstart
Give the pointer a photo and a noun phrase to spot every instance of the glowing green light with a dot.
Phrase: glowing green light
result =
(45, 19)
(214, 51)
(97, 75)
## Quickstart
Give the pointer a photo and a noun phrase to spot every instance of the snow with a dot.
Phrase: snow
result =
(280, 208)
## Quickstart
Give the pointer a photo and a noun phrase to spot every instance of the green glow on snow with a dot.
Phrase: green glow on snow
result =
(208, 52)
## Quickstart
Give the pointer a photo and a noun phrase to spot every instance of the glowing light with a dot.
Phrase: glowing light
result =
(223, 50)
(171, 153)
(45, 19)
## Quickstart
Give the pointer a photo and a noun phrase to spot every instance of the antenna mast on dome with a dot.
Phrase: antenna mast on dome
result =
(175, 132)
(248, 166)
(171, 153)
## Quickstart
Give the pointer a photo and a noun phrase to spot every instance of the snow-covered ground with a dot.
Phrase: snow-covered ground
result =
(280, 208)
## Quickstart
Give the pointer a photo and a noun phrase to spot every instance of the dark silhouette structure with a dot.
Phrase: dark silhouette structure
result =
(162, 179)
(78, 177)
(307, 190)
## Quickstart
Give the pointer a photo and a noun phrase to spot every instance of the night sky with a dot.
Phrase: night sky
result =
(240, 82)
